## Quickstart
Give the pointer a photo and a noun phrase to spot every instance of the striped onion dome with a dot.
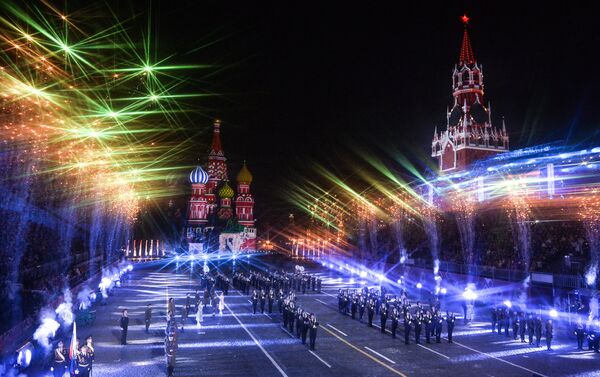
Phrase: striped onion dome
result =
(198, 175)
(226, 192)
(244, 175)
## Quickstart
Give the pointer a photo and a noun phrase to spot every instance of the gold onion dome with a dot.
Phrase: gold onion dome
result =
(226, 192)
(244, 175)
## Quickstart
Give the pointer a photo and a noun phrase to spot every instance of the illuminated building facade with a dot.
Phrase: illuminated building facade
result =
(212, 222)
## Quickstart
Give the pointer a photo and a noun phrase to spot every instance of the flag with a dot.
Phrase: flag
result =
(73, 350)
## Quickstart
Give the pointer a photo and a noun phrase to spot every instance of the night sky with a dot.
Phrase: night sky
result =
(315, 83)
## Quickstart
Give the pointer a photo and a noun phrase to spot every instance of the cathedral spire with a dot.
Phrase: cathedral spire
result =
(216, 148)
(466, 51)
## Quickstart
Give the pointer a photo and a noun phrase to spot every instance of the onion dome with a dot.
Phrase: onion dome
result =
(198, 176)
(226, 192)
(244, 175)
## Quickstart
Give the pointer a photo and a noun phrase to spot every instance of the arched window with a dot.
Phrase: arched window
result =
(465, 78)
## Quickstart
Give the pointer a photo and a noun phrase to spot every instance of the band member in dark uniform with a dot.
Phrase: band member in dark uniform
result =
(124, 325)
(418, 325)
(171, 353)
(262, 297)
(84, 362)
(299, 322)
(362, 304)
(89, 342)
(515, 325)
(538, 331)
(305, 326)
(254, 301)
(530, 329)
(59, 363)
(427, 321)
(313, 324)
(579, 333)
(500, 317)
(438, 324)
(549, 334)
(271, 298)
(522, 326)
(395, 318)
(450, 318)
(371, 311)
(494, 319)
(280, 301)
(354, 306)
(148, 316)
(407, 327)
(383, 316)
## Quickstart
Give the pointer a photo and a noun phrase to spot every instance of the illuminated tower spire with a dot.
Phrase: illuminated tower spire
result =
(217, 165)
(466, 51)
(470, 135)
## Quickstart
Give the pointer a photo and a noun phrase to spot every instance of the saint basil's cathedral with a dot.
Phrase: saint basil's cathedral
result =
(217, 218)
(469, 134)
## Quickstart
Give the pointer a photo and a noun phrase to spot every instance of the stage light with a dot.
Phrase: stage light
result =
(399, 281)
(380, 277)
(205, 257)
(130, 267)
(553, 313)
(234, 256)
(177, 257)
(444, 291)
(363, 274)
(24, 355)
(330, 265)
(419, 285)
(469, 294)
(192, 257)
(508, 304)
(104, 283)
(437, 278)
(351, 280)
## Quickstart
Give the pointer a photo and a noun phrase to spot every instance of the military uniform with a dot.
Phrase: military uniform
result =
(84, 363)
(371, 311)
(427, 322)
(438, 322)
(313, 325)
(361, 307)
(170, 355)
(538, 331)
(383, 316)
(418, 324)
(549, 334)
(254, 301)
(580, 334)
(148, 317)
(59, 363)
(450, 322)
(354, 306)
(395, 318)
(407, 327)
(262, 301)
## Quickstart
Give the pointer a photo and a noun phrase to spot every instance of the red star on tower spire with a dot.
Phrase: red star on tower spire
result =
(466, 51)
